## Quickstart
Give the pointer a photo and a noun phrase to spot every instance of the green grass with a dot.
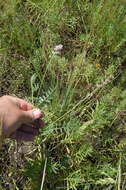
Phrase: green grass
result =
(81, 91)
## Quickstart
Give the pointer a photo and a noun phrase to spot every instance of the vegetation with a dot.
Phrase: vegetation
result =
(80, 88)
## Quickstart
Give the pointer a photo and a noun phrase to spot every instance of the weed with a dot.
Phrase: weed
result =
(81, 91)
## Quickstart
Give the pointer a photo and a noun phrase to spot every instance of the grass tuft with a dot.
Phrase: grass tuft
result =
(81, 90)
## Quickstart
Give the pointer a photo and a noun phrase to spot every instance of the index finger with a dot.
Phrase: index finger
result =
(22, 104)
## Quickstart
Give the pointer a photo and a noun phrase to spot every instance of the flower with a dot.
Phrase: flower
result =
(58, 48)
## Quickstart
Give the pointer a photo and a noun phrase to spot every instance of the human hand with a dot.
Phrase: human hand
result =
(19, 119)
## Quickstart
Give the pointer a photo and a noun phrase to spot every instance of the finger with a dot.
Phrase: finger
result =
(31, 115)
(28, 129)
(22, 104)
(21, 136)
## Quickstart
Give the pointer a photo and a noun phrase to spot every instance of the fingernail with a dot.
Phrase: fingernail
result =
(37, 113)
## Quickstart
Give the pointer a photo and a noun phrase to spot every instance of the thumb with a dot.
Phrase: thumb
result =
(31, 115)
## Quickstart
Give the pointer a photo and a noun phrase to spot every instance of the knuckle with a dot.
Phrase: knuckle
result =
(5, 96)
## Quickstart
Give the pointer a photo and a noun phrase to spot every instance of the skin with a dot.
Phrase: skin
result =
(20, 120)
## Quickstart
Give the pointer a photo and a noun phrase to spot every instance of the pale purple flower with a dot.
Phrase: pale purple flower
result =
(58, 48)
